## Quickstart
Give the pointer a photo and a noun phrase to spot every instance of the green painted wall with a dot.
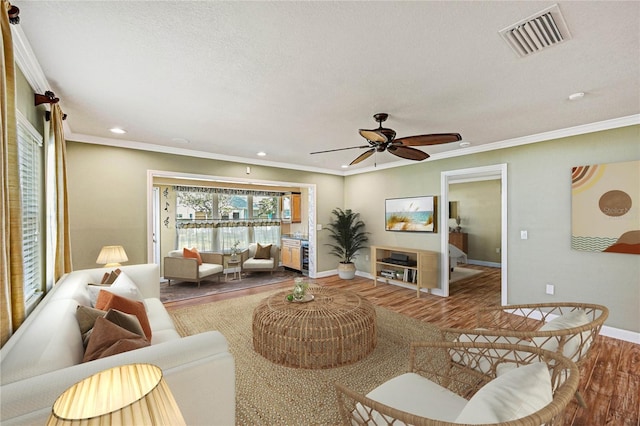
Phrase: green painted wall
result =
(108, 196)
(539, 200)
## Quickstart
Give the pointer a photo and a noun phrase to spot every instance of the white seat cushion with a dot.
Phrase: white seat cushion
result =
(258, 264)
(159, 318)
(207, 269)
(417, 395)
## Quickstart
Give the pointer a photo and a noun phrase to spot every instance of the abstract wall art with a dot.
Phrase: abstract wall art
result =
(605, 207)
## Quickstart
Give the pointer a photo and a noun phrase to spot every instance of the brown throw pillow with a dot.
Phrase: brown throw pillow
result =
(127, 321)
(193, 254)
(263, 252)
(108, 339)
(107, 300)
(110, 277)
(86, 317)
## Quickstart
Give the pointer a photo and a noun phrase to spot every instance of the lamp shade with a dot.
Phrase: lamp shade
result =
(112, 256)
(133, 394)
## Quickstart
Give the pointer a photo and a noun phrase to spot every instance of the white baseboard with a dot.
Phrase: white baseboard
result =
(484, 263)
(620, 334)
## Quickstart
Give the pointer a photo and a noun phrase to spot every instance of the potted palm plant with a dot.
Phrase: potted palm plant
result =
(347, 232)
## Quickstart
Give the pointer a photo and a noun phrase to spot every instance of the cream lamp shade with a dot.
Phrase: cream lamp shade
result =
(133, 394)
(112, 256)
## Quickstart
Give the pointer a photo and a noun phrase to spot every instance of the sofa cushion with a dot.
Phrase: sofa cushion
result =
(52, 342)
(192, 254)
(513, 395)
(263, 252)
(107, 300)
(109, 338)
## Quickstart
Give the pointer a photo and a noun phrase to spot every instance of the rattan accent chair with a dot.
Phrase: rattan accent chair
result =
(566, 327)
(455, 392)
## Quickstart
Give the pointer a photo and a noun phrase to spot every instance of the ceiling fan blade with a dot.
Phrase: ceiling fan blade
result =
(408, 153)
(341, 149)
(433, 139)
(373, 135)
(363, 156)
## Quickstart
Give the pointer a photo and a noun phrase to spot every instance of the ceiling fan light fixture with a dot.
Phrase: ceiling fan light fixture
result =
(576, 96)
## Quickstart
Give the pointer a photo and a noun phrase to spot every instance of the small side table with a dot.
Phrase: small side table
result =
(235, 265)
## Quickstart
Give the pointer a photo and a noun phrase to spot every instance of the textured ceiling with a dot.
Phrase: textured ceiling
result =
(289, 78)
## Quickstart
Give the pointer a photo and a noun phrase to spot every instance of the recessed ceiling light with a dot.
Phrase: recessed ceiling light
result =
(261, 154)
(179, 140)
(345, 166)
(117, 130)
(465, 144)
(576, 96)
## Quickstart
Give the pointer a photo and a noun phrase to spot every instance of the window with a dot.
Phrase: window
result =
(31, 190)
(214, 219)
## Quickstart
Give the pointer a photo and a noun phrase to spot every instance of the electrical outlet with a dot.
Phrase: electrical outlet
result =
(550, 289)
(366, 257)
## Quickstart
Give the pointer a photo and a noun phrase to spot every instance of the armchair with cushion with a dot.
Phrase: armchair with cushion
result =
(192, 265)
(260, 258)
(523, 386)
(569, 328)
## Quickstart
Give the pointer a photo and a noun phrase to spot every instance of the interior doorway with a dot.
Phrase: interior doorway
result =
(499, 172)
(153, 208)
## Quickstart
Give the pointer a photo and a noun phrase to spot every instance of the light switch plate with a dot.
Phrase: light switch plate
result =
(524, 235)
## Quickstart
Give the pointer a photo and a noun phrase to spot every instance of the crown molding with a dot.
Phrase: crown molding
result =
(28, 63)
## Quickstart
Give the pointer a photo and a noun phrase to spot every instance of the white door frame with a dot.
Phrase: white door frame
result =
(497, 171)
(311, 226)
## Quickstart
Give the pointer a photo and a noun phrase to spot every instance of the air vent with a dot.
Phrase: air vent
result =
(538, 32)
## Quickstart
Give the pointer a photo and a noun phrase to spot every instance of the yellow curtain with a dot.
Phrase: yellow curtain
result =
(62, 254)
(12, 311)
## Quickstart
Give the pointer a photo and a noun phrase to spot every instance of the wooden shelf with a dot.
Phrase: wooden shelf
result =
(422, 271)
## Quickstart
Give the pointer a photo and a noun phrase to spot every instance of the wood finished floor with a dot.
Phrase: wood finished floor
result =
(610, 377)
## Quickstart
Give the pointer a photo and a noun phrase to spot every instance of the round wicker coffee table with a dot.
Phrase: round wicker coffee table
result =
(336, 328)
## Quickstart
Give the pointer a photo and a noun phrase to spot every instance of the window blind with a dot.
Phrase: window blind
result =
(31, 187)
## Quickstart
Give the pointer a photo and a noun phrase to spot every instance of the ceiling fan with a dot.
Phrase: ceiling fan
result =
(383, 139)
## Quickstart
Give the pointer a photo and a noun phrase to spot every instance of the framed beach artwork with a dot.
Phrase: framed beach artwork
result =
(605, 207)
(415, 214)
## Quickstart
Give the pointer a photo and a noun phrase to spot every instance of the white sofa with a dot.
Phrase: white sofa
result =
(44, 357)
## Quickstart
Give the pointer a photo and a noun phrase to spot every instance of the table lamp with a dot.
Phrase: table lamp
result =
(111, 256)
(133, 394)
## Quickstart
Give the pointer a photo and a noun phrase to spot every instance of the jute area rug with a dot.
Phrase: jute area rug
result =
(270, 394)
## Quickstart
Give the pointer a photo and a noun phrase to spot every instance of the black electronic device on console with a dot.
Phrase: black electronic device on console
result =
(399, 259)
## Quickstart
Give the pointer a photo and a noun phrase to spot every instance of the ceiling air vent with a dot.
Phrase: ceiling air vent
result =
(537, 32)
